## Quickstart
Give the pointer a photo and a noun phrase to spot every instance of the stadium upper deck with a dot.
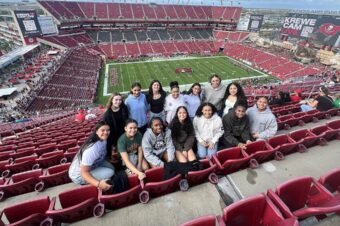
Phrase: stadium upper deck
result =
(71, 12)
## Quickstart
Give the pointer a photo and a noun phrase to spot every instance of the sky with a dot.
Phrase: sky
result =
(333, 5)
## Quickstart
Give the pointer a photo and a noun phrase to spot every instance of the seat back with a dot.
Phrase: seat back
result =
(312, 112)
(58, 168)
(22, 210)
(298, 135)
(50, 154)
(278, 140)
(26, 175)
(334, 124)
(77, 195)
(253, 147)
(133, 181)
(285, 117)
(294, 193)
(155, 174)
(331, 180)
(299, 114)
(319, 130)
(229, 154)
(247, 211)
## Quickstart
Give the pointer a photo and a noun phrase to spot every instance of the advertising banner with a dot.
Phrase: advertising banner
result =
(255, 23)
(28, 23)
(324, 29)
(243, 24)
(47, 25)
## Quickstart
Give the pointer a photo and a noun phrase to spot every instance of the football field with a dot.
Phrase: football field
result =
(118, 77)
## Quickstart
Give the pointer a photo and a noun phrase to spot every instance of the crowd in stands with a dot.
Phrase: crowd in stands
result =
(154, 128)
(73, 84)
(31, 77)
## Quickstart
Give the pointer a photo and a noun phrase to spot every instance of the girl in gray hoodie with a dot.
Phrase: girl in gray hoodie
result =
(263, 123)
(157, 144)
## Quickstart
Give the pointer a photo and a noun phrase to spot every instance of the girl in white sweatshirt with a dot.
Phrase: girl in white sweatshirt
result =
(208, 129)
(173, 101)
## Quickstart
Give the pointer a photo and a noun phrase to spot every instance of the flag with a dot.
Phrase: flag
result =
(329, 29)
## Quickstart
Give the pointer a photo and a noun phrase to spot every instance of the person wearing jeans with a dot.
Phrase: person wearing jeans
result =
(208, 130)
(89, 165)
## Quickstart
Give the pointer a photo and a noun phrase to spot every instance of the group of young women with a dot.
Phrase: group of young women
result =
(150, 130)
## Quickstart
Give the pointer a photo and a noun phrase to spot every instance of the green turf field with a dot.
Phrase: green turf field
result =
(144, 72)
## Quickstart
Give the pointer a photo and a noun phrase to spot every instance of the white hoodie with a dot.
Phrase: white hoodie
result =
(171, 105)
(208, 129)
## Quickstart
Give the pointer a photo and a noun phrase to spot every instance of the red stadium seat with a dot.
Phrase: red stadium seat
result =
(20, 165)
(332, 112)
(316, 115)
(66, 144)
(54, 175)
(324, 133)
(335, 125)
(156, 186)
(44, 148)
(302, 118)
(258, 151)
(294, 195)
(20, 183)
(283, 145)
(25, 144)
(230, 160)
(76, 204)
(7, 148)
(286, 122)
(50, 159)
(200, 176)
(255, 211)
(116, 201)
(30, 213)
(304, 137)
(6, 155)
(22, 152)
(331, 180)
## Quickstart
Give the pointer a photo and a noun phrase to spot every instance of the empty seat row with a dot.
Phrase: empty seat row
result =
(292, 201)
(232, 159)
(290, 119)
(87, 201)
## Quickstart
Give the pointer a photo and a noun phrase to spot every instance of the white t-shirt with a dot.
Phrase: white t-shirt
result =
(93, 156)
(228, 105)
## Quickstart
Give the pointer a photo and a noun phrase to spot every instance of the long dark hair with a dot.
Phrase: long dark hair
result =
(176, 126)
(199, 112)
(192, 87)
(161, 91)
(240, 93)
(93, 138)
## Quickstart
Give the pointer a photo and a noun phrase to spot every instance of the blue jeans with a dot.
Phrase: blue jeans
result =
(204, 152)
(104, 171)
(306, 107)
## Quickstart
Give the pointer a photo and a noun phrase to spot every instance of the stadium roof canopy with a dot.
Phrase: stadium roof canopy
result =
(10, 57)
(7, 91)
